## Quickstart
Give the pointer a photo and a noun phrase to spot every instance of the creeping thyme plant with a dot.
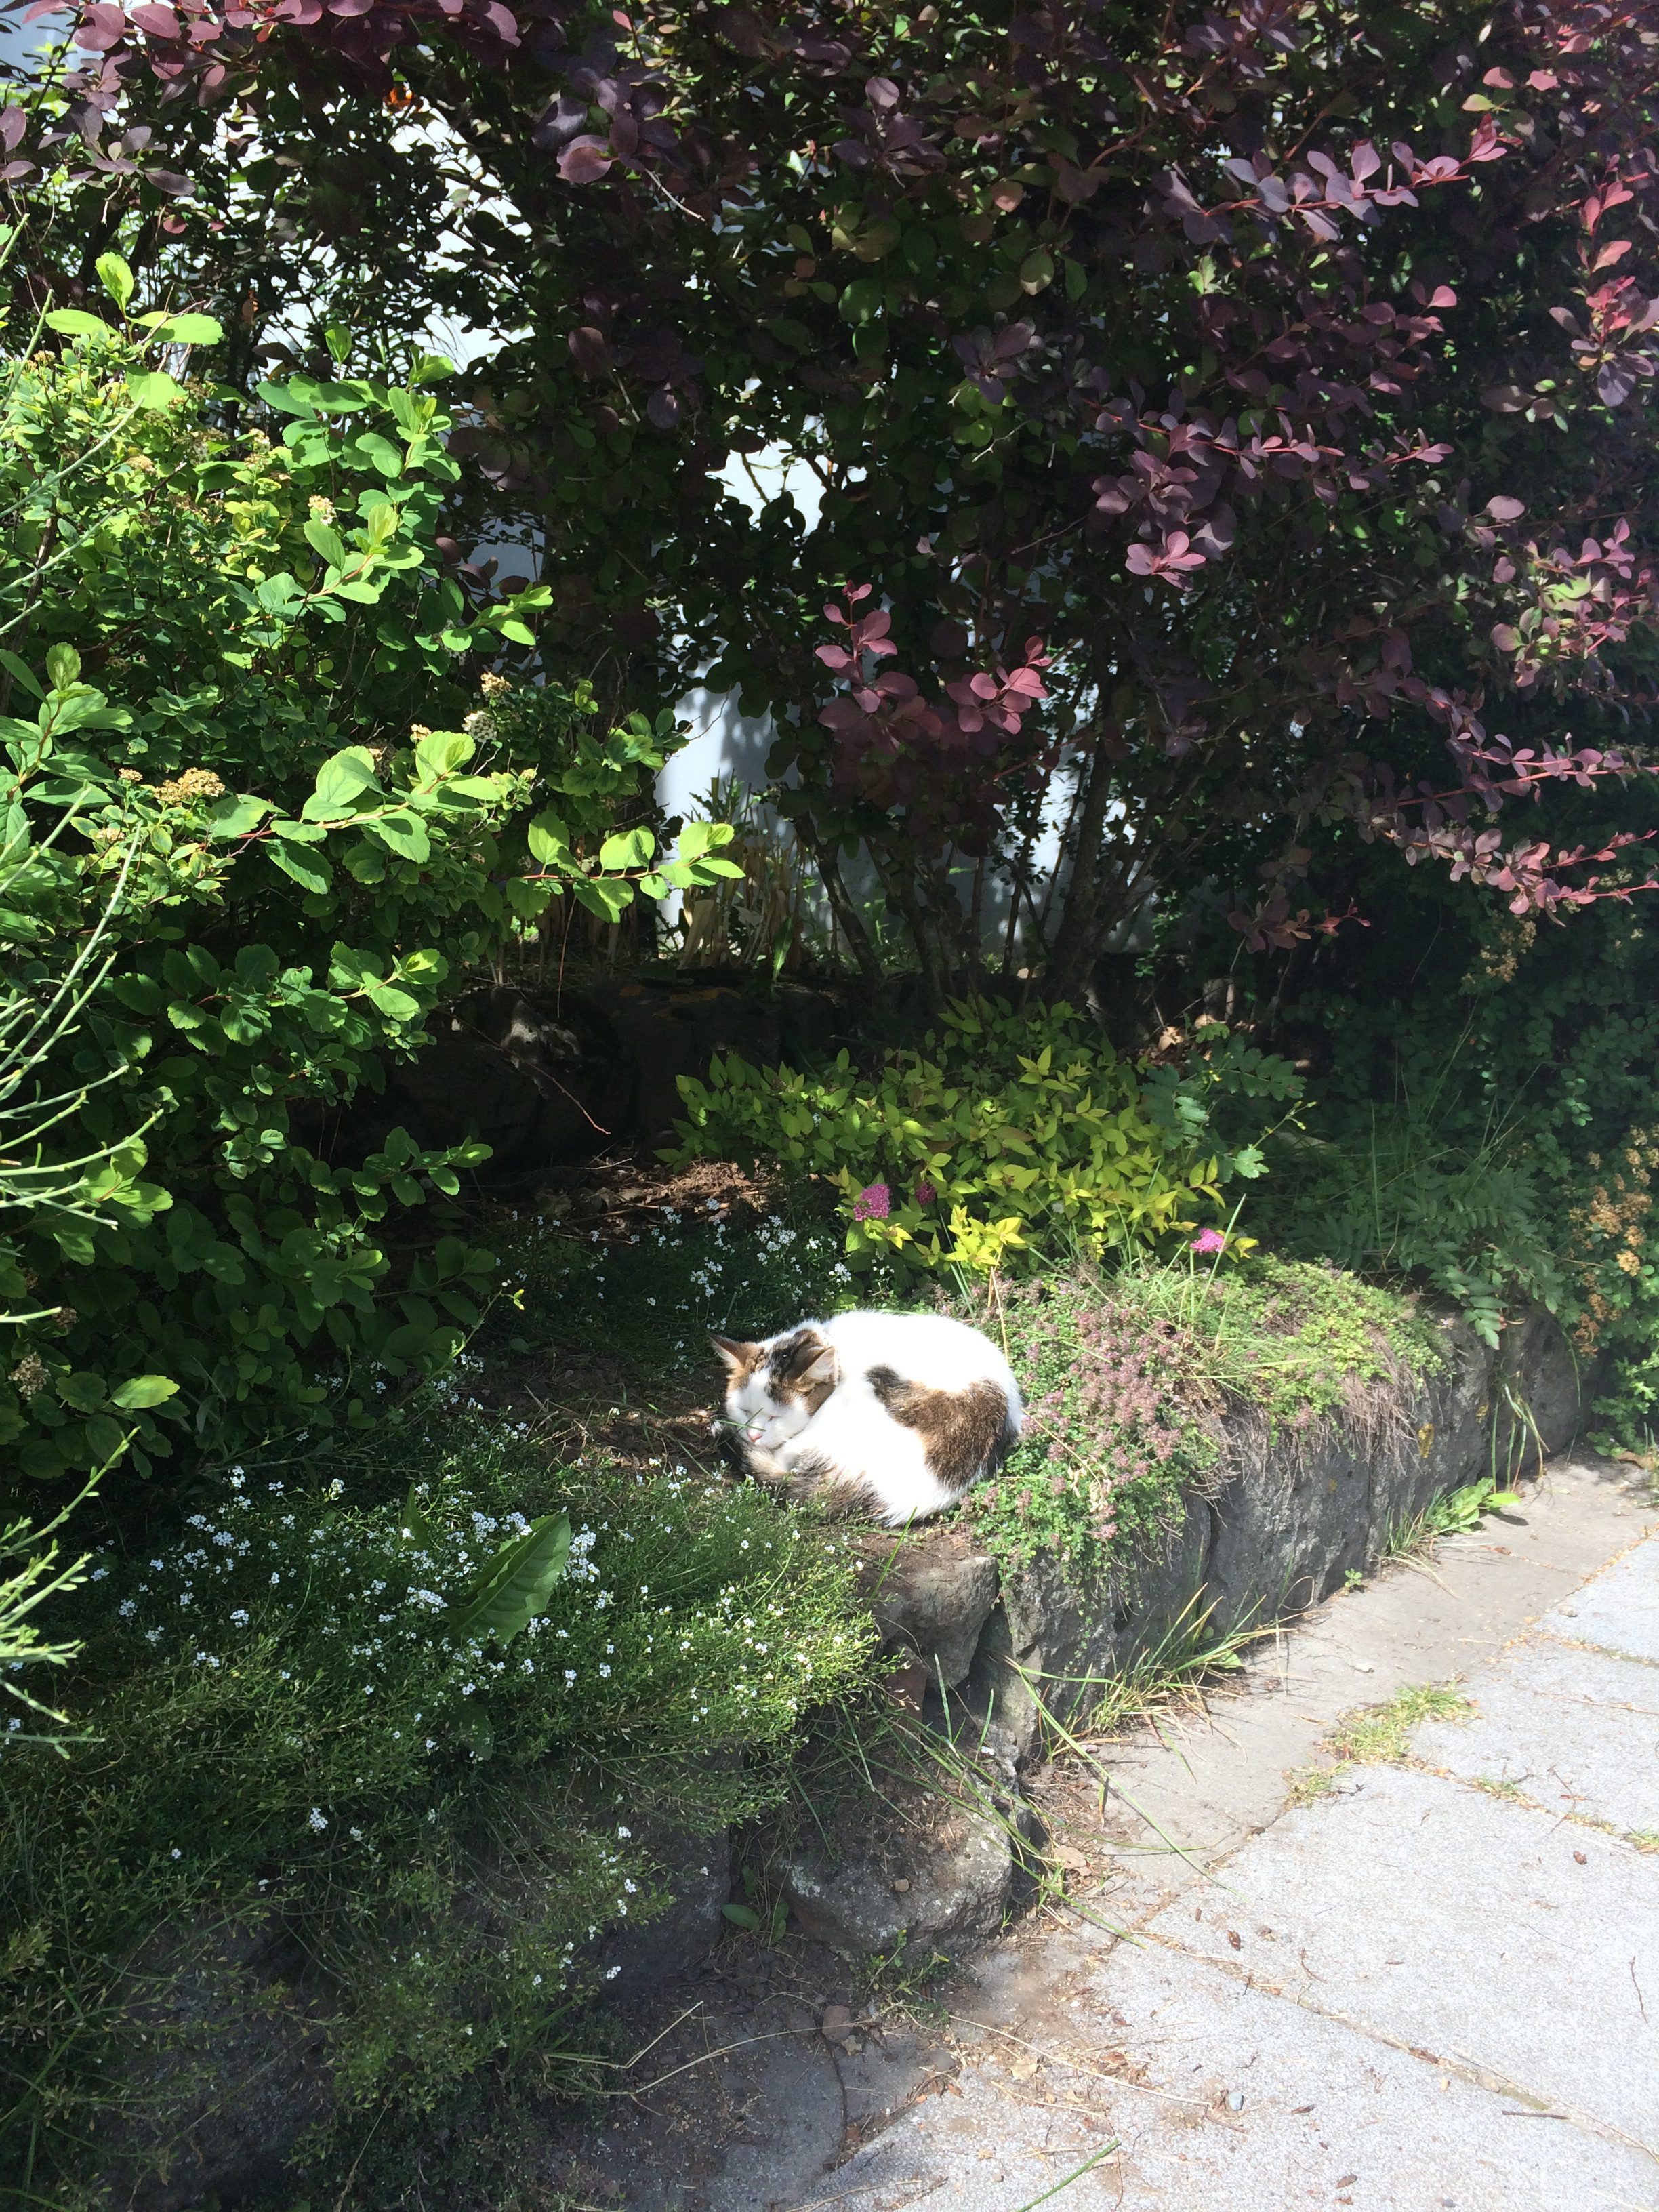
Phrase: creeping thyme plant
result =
(1128, 1379)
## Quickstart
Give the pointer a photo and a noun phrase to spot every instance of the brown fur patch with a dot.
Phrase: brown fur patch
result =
(790, 1366)
(963, 1432)
(740, 1357)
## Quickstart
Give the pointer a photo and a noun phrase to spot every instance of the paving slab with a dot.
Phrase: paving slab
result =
(1620, 1610)
(1462, 1926)
(1575, 1730)
(1245, 2102)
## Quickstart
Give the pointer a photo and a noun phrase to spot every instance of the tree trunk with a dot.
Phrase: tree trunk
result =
(848, 918)
(1074, 945)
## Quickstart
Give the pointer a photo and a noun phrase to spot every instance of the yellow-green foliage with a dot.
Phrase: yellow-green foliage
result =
(1002, 1129)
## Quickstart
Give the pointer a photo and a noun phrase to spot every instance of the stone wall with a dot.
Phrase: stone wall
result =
(1292, 1516)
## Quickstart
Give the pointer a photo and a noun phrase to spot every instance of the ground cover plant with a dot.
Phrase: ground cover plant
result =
(418, 1746)
(1128, 1378)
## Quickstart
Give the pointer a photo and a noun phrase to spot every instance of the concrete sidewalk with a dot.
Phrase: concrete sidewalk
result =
(1432, 1983)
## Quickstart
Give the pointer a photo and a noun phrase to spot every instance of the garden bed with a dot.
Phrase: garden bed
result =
(393, 1885)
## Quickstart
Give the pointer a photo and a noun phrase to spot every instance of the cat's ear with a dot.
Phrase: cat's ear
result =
(822, 1369)
(739, 1356)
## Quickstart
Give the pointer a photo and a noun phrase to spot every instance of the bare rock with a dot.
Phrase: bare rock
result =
(930, 1592)
(956, 1858)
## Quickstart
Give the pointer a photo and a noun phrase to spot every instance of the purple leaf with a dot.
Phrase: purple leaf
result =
(585, 159)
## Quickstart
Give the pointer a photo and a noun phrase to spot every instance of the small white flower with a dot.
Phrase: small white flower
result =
(612, 1973)
(177, 1853)
(624, 1832)
(318, 1821)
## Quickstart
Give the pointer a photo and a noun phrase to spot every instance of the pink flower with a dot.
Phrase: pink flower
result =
(925, 1193)
(873, 1204)
(1209, 1240)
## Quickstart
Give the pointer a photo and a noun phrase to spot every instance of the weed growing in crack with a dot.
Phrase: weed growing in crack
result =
(1380, 1736)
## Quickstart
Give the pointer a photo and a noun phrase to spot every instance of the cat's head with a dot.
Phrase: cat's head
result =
(772, 1389)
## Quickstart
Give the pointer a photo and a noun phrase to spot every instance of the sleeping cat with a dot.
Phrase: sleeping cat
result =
(893, 1414)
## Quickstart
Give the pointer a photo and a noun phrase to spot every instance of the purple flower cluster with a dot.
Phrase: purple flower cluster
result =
(874, 1203)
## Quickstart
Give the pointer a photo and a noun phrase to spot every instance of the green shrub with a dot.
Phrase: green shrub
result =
(282, 874)
(293, 1735)
(1004, 1134)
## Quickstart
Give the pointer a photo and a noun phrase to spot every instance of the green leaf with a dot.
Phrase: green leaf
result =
(415, 1527)
(742, 1916)
(402, 833)
(83, 1391)
(605, 896)
(143, 1391)
(71, 323)
(309, 870)
(321, 539)
(380, 452)
(116, 278)
(396, 1004)
(515, 1586)
(20, 672)
(190, 331)
(549, 841)
(280, 595)
(154, 389)
(233, 815)
(629, 849)
(293, 398)
(440, 753)
(341, 781)
(63, 666)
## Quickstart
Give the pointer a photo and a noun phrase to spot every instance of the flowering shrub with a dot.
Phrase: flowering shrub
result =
(1127, 1380)
(1005, 1132)
(293, 1732)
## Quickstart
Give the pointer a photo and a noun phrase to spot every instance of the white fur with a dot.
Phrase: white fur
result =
(853, 1430)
